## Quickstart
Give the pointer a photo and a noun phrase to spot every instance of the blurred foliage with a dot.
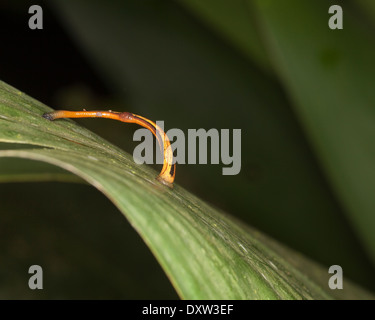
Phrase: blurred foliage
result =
(300, 92)
(329, 80)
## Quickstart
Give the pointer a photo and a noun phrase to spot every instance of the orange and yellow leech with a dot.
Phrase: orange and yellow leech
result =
(168, 171)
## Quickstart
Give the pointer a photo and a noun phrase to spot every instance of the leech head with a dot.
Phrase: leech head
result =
(48, 116)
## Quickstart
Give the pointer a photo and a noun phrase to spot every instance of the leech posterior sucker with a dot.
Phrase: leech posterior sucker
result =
(168, 172)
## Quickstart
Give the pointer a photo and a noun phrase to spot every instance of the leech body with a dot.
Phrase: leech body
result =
(168, 171)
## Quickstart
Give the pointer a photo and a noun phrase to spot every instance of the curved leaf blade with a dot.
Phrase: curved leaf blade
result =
(205, 253)
(329, 76)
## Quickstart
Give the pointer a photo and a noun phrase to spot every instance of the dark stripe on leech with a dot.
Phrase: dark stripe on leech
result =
(173, 168)
(154, 131)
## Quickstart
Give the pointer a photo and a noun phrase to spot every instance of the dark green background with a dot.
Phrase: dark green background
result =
(166, 61)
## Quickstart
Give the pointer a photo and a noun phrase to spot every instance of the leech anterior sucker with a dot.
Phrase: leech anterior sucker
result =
(168, 171)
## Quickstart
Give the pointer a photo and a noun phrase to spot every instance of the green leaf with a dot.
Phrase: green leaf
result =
(205, 253)
(19, 170)
(329, 76)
